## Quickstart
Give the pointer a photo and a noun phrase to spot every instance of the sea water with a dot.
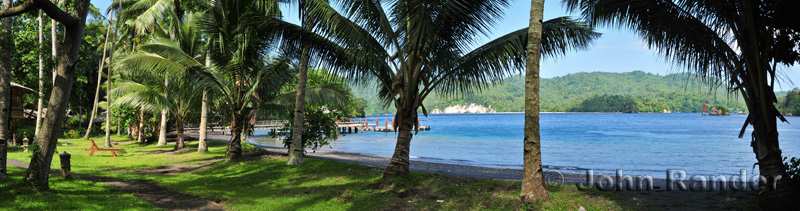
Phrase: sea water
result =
(639, 144)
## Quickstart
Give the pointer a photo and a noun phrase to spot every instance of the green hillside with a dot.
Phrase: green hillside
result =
(635, 91)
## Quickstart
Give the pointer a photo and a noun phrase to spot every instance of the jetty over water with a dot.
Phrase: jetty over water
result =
(352, 125)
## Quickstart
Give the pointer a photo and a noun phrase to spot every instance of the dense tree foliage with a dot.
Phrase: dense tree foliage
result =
(790, 104)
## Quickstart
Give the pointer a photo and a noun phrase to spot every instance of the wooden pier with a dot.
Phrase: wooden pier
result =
(355, 125)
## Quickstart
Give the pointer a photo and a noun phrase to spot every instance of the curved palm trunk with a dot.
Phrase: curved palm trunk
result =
(296, 147)
(59, 97)
(533, 187)
(99, 84)
(398, 166)
(162, 130)
(5, 88)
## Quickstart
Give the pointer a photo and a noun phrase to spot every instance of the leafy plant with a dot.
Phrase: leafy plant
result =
(320, 128)
(793, 170)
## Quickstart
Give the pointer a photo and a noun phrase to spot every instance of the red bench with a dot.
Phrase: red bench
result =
(95, 148)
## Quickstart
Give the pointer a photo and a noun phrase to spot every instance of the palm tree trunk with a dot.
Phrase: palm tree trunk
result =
(235, 144)
(770, 161)
(54, 39)
(108, 84)
(140, 131)
(179, 143)
(59, 98)
(296, 147)
(533, 187)
(40, 100)
(5, 88)
(99, 83)
(162, 132)
(202, 146)
(398, 165)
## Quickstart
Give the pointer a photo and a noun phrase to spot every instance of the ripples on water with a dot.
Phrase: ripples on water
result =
(574, 142)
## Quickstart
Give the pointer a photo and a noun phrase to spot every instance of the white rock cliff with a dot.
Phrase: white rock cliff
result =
(472, 108)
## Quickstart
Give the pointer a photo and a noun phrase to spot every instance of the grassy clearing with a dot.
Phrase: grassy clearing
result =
(256, 183)
(65, 194)
(261, 183)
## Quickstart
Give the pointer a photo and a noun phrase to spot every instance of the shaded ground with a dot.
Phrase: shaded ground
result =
(159, 196)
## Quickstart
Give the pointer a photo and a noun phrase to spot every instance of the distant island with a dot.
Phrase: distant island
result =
(630, 92)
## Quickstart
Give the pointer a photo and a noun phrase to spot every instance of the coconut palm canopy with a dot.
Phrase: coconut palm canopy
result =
(414, 48)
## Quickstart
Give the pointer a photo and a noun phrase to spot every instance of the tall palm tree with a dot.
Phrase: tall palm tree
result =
(533, 187)
(740, 42)
(421, 47)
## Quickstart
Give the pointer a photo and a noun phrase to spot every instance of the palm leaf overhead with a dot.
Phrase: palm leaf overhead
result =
(740, 42)
(417, 47)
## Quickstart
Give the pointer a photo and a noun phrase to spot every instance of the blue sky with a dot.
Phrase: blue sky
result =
(615, 51)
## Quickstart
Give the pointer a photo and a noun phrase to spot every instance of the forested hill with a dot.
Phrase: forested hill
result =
(635, 91)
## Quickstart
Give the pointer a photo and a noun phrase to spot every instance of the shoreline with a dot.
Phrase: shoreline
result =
(503, 174)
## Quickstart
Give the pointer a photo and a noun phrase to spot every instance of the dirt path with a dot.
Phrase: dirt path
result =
(159, 196)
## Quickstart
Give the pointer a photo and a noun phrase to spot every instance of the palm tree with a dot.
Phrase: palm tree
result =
(533, 187)
(243, 33)
(420, 47)
(740, 42)
(163, 57)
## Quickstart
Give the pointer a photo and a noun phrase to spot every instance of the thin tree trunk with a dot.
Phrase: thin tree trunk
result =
(40, 100)
(54, 40)
(39, 168)
(296, 147)
(162, 132)
(99, 83)
(108, 84)
(398, 165)
(119, 130)
(533, 187)
(202, 146)
(140, 131)
(5, 87)
(179, 142)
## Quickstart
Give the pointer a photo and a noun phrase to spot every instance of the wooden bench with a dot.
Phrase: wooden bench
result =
(95, 148)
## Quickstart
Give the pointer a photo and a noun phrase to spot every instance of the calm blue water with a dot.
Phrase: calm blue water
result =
(572, 142)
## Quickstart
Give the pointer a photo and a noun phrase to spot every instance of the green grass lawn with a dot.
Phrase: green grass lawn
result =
(265, 182)
(65, 194)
